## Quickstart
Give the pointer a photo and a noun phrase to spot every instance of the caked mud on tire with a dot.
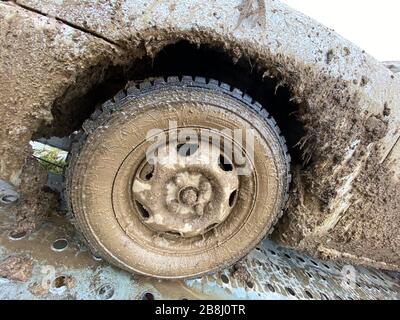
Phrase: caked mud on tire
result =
(200, 213)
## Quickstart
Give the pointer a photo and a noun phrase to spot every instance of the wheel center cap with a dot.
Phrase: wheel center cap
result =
(188, 196)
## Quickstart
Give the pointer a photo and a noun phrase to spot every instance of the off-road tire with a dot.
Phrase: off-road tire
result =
(131, 102)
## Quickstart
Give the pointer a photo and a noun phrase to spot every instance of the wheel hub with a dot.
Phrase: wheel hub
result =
(187, 194)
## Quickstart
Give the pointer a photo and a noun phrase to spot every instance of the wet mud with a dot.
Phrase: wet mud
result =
(344, 198)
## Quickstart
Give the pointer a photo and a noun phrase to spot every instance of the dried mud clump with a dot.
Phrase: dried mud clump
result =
(37, 289)
(36, 200)
(240, 273)
(16, 268)
(254, 9)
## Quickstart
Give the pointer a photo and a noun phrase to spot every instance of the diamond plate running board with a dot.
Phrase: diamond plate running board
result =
(64, 269)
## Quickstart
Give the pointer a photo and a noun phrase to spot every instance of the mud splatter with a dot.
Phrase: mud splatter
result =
(337, 196)
(239, 272)
(37, 289)
(36, 201)
(252, 9)
(16, 268)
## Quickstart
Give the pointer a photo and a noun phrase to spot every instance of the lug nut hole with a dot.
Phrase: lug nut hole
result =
(17, 235)
(173, 233)
(142, 210)
(224, 164)
(146, 173)
(212, 226)
(8, 199)
(232, 198)
(187, 150)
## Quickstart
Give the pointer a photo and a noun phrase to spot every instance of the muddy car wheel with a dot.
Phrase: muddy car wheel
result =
(159, 183)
